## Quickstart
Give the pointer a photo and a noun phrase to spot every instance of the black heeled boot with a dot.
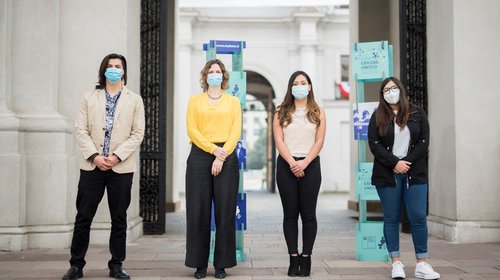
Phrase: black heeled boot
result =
(293, 269)
(305, 266)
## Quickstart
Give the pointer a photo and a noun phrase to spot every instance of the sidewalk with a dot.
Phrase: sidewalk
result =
(162, 257)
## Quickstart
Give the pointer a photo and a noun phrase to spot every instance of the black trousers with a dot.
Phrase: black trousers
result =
(299, 196)
(201, 189)
(90, 192)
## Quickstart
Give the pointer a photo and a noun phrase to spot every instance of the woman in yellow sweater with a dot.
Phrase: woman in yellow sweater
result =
(214, 127)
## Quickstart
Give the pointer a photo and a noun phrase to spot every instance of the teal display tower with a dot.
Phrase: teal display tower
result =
(371, 62)
(237, 87)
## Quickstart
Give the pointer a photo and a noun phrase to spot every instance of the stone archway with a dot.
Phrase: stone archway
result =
(262, 90)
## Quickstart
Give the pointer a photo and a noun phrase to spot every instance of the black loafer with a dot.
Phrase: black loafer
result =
(201, 272)
(73, 273)
(220, 273)
(118, 273)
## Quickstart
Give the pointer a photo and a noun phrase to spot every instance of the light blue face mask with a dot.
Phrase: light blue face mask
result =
(300, 92)
(113, 75)
(214, 79)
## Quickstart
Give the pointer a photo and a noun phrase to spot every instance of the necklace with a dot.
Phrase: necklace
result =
(214, 98)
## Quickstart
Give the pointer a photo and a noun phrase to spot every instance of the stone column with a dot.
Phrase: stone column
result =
(463, 60)
(12, 201)
(44, 145)
(184, 89)
(308, 43)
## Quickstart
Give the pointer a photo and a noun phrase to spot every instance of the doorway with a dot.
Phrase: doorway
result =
(257, 131)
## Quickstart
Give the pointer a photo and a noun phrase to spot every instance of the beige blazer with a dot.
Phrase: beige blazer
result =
(127, 133)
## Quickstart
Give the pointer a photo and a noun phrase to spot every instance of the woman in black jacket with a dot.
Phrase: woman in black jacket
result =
(398, 135)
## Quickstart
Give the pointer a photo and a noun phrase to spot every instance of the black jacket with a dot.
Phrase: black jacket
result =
(385, 161)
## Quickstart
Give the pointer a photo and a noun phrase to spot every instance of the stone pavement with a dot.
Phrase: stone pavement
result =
(162, 257)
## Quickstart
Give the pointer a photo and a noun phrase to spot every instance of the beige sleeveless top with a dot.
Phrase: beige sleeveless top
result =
(300, 135)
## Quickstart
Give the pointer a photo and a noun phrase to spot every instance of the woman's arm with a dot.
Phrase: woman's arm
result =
(422, 145)
(279, 140)
(378, 150)
(235, 132)
(192, 129)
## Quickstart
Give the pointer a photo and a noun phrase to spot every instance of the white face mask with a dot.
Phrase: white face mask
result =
(392, 96)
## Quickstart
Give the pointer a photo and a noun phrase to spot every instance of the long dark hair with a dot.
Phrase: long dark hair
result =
(385, 114)
(101, 83)
(287, 107)
(204, 74)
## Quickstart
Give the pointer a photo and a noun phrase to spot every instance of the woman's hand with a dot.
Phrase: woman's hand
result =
(217, 166)
(299, 166)
(299, 174)
(220, 153)
(402, 166)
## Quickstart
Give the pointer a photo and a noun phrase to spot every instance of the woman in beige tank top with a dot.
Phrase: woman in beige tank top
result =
(299, 131)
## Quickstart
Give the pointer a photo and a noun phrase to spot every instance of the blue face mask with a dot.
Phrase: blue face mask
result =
(113, 75)
(214, 79)
(300, 92)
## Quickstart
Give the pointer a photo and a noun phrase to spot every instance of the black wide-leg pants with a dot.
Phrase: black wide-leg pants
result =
(201, 188)
(90, 192)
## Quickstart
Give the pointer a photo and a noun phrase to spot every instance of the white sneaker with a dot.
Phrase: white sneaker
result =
(397, 270)
(424, 270)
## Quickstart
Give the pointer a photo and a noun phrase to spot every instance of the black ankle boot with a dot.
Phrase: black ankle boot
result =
(293, 269)
(201, 272)
(305, 266)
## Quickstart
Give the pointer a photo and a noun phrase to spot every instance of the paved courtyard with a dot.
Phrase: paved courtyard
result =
(162, 257)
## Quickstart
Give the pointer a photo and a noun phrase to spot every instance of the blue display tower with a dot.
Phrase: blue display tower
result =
(237, 87)
(371, 62)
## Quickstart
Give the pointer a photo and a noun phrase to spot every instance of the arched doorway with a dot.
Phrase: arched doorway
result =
(258, 118)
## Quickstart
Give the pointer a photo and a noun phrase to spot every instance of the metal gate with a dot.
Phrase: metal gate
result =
(153, 92)
(413, 49)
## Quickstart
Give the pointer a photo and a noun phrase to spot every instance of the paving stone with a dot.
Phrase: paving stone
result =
(158, 257)
(353, 263)
(480, 269)
(357, 270)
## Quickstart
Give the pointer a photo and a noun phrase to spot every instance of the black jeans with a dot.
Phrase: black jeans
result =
(90, 192)
(299, 196)
(201, 188)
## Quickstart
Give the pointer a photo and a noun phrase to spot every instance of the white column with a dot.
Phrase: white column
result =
(184, 86)
(308, 42)
(45, 138)
(354, 26)
(12, 200)
(463, 59)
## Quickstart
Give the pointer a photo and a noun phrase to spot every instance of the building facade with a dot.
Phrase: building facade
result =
(50, 52)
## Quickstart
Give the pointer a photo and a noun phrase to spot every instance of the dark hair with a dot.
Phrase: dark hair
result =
(385, 114)
(287, 107)
(101, 83)
(204, 74)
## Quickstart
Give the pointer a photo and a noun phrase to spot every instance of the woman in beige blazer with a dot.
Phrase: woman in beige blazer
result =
(109, 129)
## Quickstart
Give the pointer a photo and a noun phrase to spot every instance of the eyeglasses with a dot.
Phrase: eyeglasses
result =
(386, 90)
